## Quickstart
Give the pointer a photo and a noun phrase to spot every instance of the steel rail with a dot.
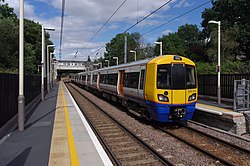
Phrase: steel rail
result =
(222, 160)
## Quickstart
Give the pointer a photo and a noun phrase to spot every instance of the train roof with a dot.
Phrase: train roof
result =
(159, 60)
(171, 59)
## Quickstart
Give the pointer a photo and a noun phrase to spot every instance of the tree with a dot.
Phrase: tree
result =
(233, 15)
(6, 11)
(172, 44)
(89, 60)
(9, 43)
(115, 48)
(186, 41)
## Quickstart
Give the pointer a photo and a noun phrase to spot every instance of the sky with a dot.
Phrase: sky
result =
(83, 18)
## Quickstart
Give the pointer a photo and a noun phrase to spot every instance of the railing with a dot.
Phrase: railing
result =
(9, 85)
(207, 84)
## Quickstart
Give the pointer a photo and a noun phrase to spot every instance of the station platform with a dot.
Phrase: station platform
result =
(221, 116)
(56, 133)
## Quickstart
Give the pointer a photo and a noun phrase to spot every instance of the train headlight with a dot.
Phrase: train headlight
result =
(163, 98)
(192, 97)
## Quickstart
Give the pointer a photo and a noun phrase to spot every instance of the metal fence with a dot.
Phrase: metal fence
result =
(9, 90)
(207, 84)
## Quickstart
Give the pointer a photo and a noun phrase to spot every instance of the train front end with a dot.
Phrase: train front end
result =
(171, 88)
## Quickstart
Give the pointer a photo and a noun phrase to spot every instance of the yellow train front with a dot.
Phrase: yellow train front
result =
(170, 88)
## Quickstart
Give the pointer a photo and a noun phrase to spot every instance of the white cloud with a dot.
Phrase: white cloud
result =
(182, 3)
(84, 17)
(28, 8)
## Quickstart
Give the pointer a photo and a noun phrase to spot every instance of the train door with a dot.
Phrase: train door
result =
(121, 82)
(178, 72)
(98, 81)
(140, 91)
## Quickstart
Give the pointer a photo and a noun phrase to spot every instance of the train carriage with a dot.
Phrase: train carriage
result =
(163, 88)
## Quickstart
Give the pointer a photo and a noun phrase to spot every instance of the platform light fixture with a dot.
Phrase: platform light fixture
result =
(218, 66)
(51, 71)
(107, 62)
(43, 56)
(115, 57)
(48, 66)
(160, 43)
(132, 51)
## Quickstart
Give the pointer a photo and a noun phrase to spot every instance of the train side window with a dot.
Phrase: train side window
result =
(142, 78)
(83, 77)
(94, 78)
(102, 78)
(131, 80)
(112, 79)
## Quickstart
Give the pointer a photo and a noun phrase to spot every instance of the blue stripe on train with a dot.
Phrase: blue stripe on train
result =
(160, 112)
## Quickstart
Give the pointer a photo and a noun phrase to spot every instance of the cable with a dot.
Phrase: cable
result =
(61, 34)
(148, 15)
(176, 17)
(104, 24)
(138, 22)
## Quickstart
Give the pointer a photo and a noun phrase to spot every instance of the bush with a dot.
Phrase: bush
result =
(228, 67)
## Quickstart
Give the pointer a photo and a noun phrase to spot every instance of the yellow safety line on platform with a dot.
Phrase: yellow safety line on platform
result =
(72, 147)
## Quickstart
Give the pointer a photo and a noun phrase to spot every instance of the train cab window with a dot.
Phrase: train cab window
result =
(178, 76)
(131, 80)
(142, 78)
(163, 76)
(190, 77)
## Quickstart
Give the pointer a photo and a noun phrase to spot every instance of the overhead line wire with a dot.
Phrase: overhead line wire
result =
(176, 18)
(161, 24)
(148, 15)
(138, 22)
(104, 24)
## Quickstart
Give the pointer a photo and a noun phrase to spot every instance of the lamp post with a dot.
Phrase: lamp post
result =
(218, 67)
(53, 71)
(21, 98)
(107, 61)
(160, 43)
(48, 66)
(50, 69)
(43, 56)
(115, 57)
(132, 51)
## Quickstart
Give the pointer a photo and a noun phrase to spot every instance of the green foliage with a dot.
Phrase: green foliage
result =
(235, 26)
(186, 41)
(9, 42)
(6, 11)
(228, 67)
(115, 48)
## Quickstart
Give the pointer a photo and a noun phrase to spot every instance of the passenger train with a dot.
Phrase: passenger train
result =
(162, 88)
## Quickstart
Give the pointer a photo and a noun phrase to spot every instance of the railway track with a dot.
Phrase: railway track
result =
(122, 145)
(223, 151)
